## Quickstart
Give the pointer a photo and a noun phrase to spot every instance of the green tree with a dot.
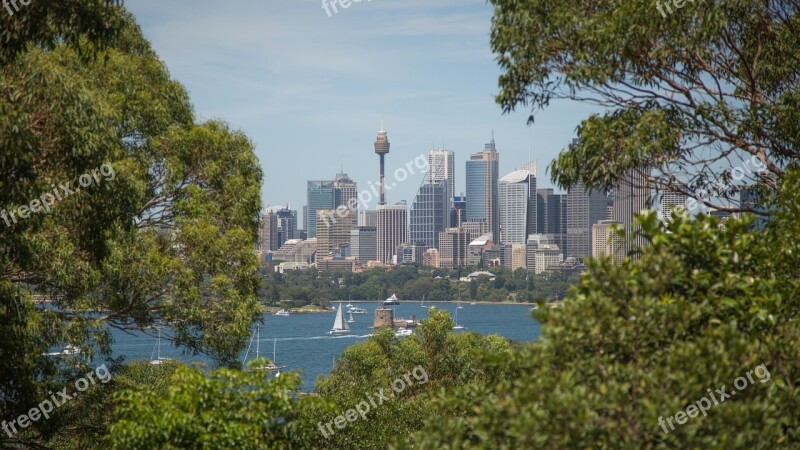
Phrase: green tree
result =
(687, 91)
(640, 341)
(162, 236)
(226, 409)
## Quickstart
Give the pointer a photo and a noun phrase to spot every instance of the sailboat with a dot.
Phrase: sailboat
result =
(422, 303)
(350, 319)
(455, 320)
(157, 350)
(272, 366)
(459, 305)
(339, 325)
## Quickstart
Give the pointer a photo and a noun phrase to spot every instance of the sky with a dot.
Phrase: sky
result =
(310, 87)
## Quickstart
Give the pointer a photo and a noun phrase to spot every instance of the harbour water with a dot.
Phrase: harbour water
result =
(303, 344)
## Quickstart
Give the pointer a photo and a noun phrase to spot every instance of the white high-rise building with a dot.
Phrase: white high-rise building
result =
(670, 201)
(441, 168)
(632, 194)
(517, 206)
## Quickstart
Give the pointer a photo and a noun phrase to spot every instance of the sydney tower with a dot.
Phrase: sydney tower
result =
(382, 148)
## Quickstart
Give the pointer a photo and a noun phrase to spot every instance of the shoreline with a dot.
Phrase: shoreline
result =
(273, 309)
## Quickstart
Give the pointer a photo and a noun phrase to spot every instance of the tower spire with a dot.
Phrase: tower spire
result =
(382, 148)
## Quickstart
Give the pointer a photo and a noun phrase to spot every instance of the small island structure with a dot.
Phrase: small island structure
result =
(384, 318)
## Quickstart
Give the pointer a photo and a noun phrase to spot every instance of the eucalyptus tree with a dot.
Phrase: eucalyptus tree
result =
(703, 93)
(119, 209)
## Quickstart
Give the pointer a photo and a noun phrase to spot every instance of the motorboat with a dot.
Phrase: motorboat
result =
(391, 301)
(403, 332)
(282, 312)
(357, 310)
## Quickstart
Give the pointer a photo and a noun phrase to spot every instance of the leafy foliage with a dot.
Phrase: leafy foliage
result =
(165, 235)
(688, 91)
(632, 343)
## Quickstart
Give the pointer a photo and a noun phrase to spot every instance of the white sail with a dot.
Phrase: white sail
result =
(340, 323)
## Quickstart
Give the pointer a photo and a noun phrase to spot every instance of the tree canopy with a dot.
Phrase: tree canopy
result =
(151, 218)
(689, 94)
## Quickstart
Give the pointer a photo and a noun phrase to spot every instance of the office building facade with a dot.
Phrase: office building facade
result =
(392, 230)
(333, 230)
(584, 208)
(430, 213)
(453, 244)
(364, 244)
(482, 177)
(517, 195)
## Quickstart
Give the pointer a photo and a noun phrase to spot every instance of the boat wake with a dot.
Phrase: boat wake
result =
(314, 338)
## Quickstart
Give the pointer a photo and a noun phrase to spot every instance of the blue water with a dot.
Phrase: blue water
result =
(303, 343)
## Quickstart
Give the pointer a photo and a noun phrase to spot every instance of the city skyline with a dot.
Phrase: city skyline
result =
(310, 107)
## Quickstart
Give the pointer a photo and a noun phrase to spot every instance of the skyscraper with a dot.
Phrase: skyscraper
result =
(368, 218)
(363, 244)
(392, 230)
(453, 244)
(632, 194)
(333, 230)
(482, 185)
(347, 191)
(441, 168)
(751, 198)
(382, 149)
(430, 213)
(606, 242)
(321, 195)
(458, 212)
(551, 216)
(287, 224)
(584, 209)
(671, 203)
(517, 195)
(268, 232)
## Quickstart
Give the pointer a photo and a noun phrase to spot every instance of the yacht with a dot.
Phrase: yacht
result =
(69, 350)
(391, 301)
(403, 332)
(282, 312)
(340, 325)
(357, 310)
(158, 360)
(270, 367)
(456, 326)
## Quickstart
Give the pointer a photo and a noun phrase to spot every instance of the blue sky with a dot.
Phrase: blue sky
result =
(310, 88)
